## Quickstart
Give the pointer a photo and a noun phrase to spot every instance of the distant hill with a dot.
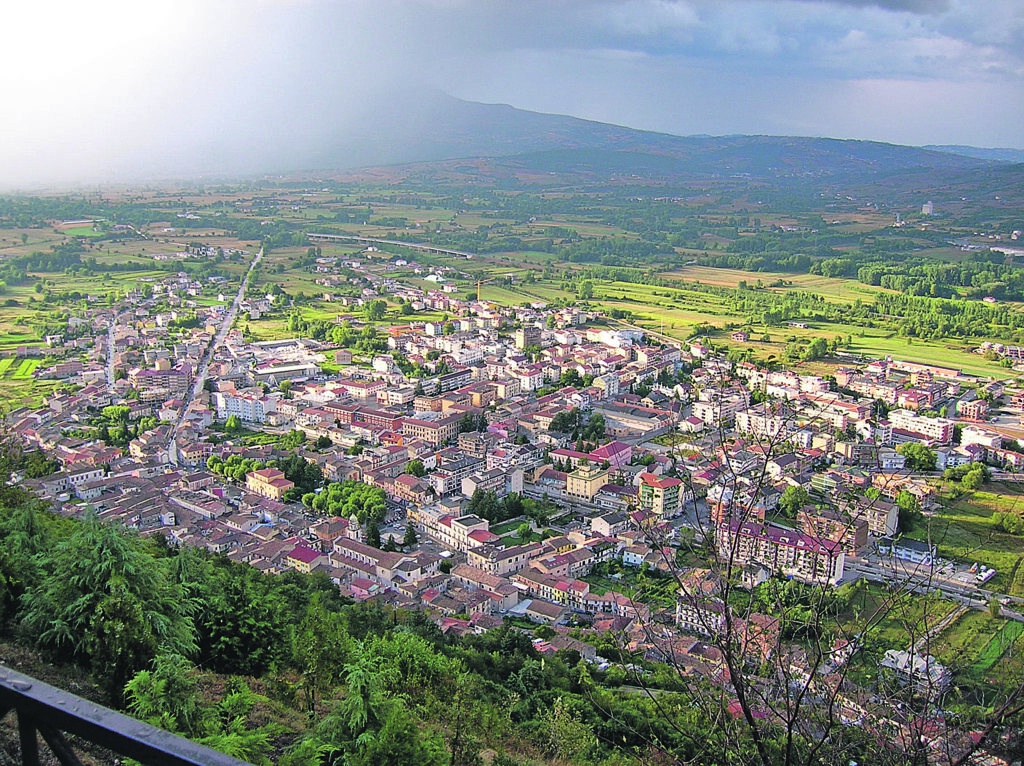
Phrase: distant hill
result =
(432, 137)
(998, 155)
(435, 128)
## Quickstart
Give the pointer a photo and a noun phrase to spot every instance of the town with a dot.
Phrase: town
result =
(546, 464)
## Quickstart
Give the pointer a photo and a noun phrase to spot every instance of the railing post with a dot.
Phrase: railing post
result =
(29, 742)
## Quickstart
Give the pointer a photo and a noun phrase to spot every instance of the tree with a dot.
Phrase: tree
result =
(524, 532)
(409, 539)
(232, 424)
(322, 647)
(415, 468)
(375, 310)
(910, 515)
(918, 457)
(792, 500)
(994, 608)
(373, 534)
(973, 479)
(105, 601)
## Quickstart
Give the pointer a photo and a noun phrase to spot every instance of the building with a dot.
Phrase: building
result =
(912, 551)
(782, 550)
(939, 430)
(528, 335)
(434, 432)
(919, 671)
(268, 482)
(975, 409)
(585, 481)
(662, 496)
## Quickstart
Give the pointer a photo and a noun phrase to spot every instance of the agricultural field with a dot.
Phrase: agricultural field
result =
(842, 290)
(975, 643)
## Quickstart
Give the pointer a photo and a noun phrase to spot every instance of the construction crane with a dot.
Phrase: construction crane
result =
(480, 282)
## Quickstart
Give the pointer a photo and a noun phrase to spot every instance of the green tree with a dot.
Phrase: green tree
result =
(918, 457)
(106, 601)
(373, 534)
(233, 424)
(909, 511)
(973, 479)
(415, 468)
(369, 728)
(409, 539)
(792, 500)
(243, 625)
(375, 310)
(322, 646)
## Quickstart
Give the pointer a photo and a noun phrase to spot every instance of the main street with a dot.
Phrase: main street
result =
(211, 349)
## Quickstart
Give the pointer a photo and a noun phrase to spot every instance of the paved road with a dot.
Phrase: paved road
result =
(921, 579)
(215, 343)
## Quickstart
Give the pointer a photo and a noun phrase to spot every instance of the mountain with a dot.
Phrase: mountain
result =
(998, 155)
(433, 136)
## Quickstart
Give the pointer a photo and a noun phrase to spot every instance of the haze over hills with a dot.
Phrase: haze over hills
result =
(1000, 155)
(436, 138)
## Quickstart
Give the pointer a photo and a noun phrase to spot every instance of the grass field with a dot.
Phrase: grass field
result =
(25, 369)
(894, 620)
(963, 532)
(846, 290)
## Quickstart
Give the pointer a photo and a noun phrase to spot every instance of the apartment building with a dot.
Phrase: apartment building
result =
(662, 496)
(778, 549)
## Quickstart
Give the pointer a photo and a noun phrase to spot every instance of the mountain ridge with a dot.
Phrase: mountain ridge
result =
(437, 128)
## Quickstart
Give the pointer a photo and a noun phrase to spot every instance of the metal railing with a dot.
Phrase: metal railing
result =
(43, 710)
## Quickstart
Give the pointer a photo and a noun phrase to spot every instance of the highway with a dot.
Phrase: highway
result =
(211, 349)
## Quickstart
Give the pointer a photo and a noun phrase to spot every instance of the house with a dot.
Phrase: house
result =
(913, 551)
(919, 671)
(543, 611)
(268, 482)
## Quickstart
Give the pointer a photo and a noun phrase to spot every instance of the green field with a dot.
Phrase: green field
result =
(963, 532)
(846, 290)
(25, 369)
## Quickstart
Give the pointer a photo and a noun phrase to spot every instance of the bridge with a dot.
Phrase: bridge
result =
(424, 246)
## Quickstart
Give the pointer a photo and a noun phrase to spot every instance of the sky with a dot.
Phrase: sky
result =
(114, 89)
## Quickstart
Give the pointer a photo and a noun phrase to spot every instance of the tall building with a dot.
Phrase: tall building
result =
(662, 496)
(528, 335)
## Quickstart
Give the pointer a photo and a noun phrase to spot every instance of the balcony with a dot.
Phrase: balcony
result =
(50, 714)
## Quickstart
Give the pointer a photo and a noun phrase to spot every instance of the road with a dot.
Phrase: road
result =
(211, 349)
(920, 579)
(110, 352)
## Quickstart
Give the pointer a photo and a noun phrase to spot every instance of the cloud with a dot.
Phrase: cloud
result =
(909, 6)
(170, 86)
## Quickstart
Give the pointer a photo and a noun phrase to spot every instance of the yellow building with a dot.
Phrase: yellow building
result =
(585, 481)
(268, 482)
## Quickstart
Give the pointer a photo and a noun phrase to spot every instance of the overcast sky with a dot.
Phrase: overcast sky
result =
(106, 88)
